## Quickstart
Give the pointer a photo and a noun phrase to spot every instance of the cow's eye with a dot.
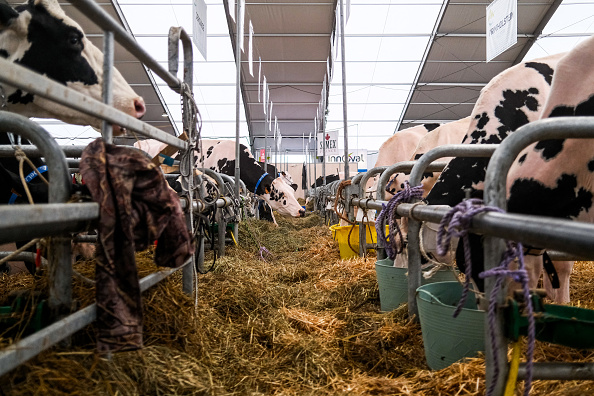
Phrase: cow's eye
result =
(74, 39)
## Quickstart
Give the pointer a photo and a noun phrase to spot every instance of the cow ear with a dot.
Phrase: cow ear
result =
(267, 188)
(7, 14)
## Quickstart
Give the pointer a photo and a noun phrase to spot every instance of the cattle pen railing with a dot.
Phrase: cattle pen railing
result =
(571, 237)
(57, 218)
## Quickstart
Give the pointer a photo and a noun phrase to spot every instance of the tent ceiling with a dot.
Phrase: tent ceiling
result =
(292, 39)
(455, 69)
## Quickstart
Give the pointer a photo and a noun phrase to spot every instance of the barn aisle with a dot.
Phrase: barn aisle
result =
(293, 319)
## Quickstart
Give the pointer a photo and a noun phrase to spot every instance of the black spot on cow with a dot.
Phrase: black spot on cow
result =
(209, 151)
(460, 174)
(529, 196)
(431, 126)
(510, 112)
(591, 165)
(56, 48)
(329, 179)
(550, 148)
(522, 159)
(18, 98)
(417, 156)
(585, 108)
(3, 53)
(545, 70)
(483, 120)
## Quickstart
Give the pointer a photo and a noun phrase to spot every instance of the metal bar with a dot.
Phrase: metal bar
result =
(60, 288)
(107, 89)
(102, 19)
(238, 41)
(558, 371)
(344, 93)
(30, 81)
(27, 348)
(406, 167)
(495, 195)
(414, 226)
(558, 234)
(33, 152)
(34, 221)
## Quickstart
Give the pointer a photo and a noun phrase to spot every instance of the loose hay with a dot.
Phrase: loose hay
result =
(303, 322)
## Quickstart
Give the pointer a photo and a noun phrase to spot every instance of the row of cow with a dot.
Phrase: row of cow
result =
(550, 178)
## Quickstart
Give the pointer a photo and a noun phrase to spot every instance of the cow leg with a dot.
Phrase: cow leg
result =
(560, 295)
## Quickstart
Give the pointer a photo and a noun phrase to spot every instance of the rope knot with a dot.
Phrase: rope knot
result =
(405, 195)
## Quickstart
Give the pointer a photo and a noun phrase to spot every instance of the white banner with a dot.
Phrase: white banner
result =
(502, 26)
(259, 77)
(330, 139)
(199, 26)
(251, 51)
(241, 3)
(355, 156)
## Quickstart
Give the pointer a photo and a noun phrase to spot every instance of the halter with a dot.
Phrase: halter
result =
(259, 181)
(28, 178)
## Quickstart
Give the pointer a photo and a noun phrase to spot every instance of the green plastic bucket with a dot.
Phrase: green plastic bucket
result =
(393, 283)
(447, 339)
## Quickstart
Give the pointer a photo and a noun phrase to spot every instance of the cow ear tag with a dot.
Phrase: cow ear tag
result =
(267, 189)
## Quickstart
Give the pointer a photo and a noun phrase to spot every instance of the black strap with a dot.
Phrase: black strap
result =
(547, 263)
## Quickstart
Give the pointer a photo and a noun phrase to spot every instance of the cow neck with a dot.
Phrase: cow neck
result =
(260, 181)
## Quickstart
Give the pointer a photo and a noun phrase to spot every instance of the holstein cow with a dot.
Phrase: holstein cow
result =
(556, 177)
(450, 133)
(400, 147)
(219, 155)
(511, 99)
(39, 36)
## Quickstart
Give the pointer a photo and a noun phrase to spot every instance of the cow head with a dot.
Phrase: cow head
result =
(284, 176)
(281, 197)
(39, 36)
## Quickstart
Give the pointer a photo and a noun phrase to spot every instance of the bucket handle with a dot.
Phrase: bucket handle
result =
(427, 296)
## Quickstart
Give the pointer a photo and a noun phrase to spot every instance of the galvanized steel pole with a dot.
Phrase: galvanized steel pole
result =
(238, 40)
(344, 94)
(107, 91)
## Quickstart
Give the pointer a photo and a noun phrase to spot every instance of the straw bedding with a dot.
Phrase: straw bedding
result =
(301, 321)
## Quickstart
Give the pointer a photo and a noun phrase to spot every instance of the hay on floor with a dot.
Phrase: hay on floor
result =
(298, 320)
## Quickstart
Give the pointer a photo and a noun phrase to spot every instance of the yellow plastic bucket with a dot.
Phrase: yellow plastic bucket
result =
(348, 238)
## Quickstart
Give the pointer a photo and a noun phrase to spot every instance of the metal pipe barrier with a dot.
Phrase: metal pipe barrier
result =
(405, 167)
(59, 218)
(60, 288)
(414, 226)
(495, 195)
(18, 353)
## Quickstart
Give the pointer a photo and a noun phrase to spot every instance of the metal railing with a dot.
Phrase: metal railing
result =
(565, 236)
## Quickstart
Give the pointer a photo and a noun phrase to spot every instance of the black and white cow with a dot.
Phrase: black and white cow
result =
(556, 177)
(511, 99)
(329, 179)
(219, 155)
(38, 35)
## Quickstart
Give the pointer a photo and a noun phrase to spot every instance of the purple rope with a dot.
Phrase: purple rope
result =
(263, 250)
(407, 195)
(514, 250)
(458, 221)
